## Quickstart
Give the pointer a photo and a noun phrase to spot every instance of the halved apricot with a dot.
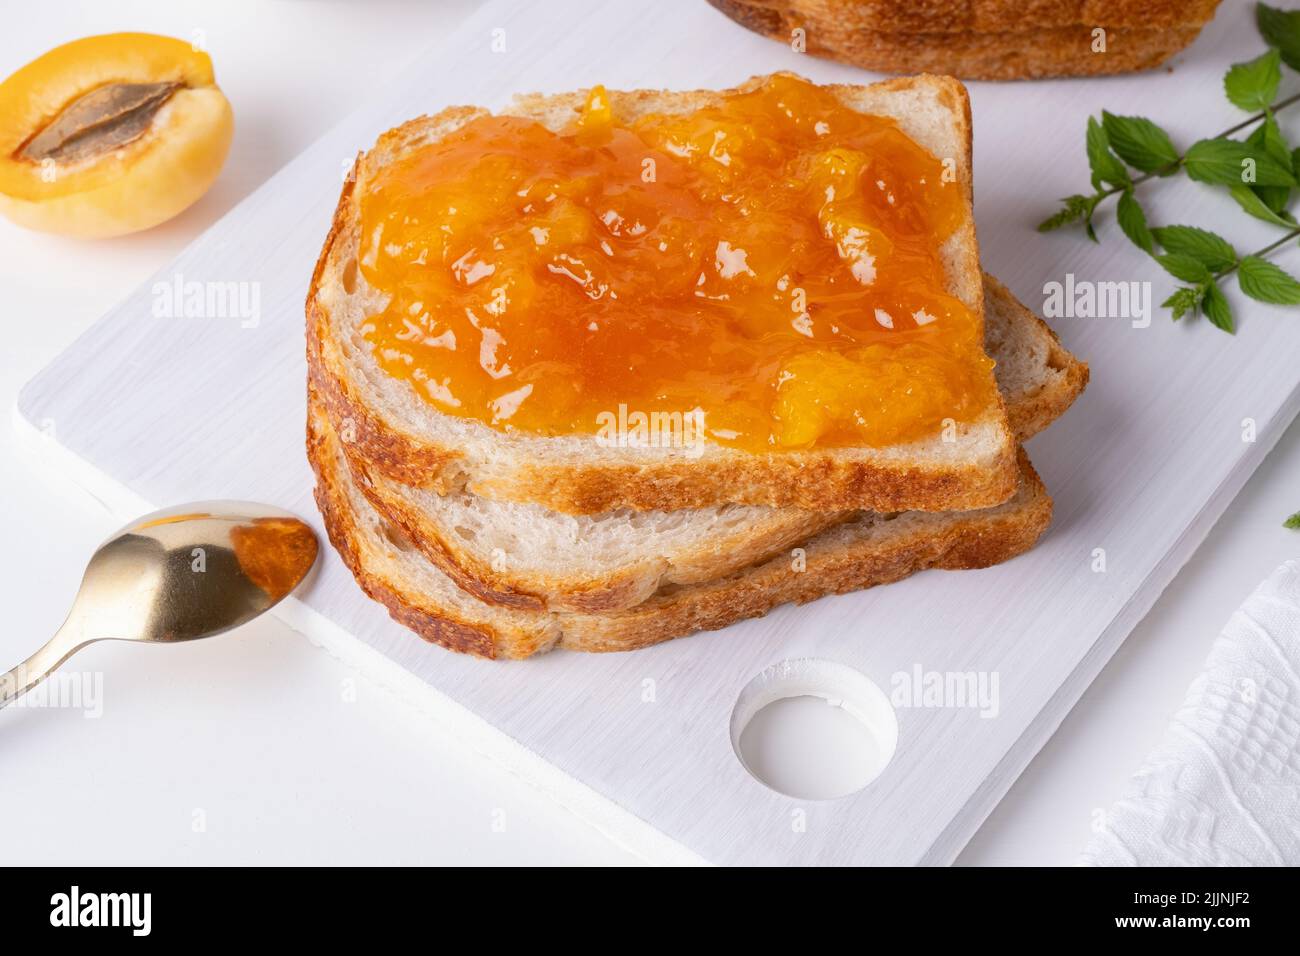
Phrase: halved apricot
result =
(110, 134)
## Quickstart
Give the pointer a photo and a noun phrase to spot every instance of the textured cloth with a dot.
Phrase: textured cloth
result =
(1223, 786)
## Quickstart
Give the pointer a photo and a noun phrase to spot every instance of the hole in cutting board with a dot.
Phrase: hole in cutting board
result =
(813, 729)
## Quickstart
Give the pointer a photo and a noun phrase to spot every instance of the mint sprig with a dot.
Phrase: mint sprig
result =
(1147, 152)
(1204, 259)
(1260, 172)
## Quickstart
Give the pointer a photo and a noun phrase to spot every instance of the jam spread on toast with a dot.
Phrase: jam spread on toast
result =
(770, 264)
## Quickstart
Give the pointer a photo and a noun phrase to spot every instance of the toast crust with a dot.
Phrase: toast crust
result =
(957, 541)
(604, 479)
(616, 587)
(842, 559)
(982, 39)
(344, 535)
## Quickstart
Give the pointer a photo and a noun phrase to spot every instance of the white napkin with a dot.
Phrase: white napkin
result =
(1223, 786)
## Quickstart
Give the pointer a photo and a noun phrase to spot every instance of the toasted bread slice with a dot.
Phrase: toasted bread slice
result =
(867, 550)
(396, 433)
(1038, 377)
(982, 39)
(527, 556)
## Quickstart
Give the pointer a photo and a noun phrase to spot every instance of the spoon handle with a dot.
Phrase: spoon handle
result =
(39, 666)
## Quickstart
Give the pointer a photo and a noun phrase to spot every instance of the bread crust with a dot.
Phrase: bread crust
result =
(616, 588)
(982, 39)
(455, 635)
(836, 562)
(607, 479)
(963, 540)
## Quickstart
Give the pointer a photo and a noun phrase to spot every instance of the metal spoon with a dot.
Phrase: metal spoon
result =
(177, 575)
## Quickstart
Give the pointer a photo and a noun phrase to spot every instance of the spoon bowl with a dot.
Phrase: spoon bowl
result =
(181, 574)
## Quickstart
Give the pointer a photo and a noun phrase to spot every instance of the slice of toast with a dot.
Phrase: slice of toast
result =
(867, 550)
(527, 556)
(398, 434)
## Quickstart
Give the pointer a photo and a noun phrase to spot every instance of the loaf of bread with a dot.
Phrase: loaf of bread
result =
(981, 39)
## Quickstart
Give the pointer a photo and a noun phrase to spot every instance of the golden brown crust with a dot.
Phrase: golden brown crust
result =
(818, 481)
(437, 629)
(958, 540)
(617, 588)
(982, 39)
(472, 578)
(825, 483)
(966, 540)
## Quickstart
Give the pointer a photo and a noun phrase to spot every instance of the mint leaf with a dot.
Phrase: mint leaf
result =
(1262, 280)
(1215, 308)
(1268, 137)
(1280, 29)
(1274, 142)
(1226, 162)
(1252, 85)
(1182, 301)
(1250, 201)
(1074, 209)
(1210, 250)
(1276, 198)
(1139, 142)
(1292, 522)
(1106, 168)
(1133, 221)
(1185, 267)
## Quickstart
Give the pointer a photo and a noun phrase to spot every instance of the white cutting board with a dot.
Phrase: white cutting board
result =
(150, 411)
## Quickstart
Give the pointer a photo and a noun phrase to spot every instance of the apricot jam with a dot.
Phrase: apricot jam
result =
(770, 261)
